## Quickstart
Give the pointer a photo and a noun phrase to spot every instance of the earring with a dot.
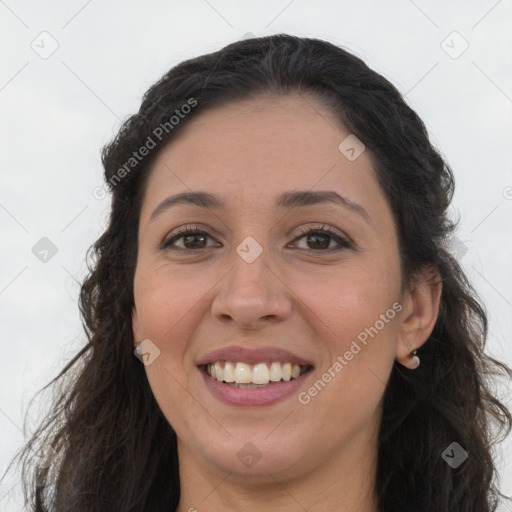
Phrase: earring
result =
(416, 358)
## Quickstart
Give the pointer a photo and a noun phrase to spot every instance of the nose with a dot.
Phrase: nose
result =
(252, 295)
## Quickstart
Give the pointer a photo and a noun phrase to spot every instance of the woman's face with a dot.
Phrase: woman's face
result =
(255, 280)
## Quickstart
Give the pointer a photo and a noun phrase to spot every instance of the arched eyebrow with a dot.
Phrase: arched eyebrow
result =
(287, 200)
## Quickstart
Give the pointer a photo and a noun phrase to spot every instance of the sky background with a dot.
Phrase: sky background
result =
(70, 72)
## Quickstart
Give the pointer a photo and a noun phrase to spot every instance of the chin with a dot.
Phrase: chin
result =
(256, 456)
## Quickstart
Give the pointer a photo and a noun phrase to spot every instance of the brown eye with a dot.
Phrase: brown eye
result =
(193, 239)
(320, 240)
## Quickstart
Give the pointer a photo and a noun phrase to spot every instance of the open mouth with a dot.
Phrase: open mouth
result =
(254, 376)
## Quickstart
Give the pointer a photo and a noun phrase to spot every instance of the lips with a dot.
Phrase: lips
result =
(263, 396)
(267, 393)
(253, 356)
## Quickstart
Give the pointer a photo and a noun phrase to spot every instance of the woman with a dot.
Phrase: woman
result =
(277, 258)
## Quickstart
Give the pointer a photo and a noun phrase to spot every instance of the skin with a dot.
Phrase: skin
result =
(318, 456)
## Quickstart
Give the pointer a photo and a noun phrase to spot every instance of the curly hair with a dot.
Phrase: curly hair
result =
(102, 400)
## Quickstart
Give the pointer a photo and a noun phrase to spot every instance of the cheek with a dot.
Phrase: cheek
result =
(347, 301)
(168, 308)
(345, 397)
(355, 314)
(168, 302)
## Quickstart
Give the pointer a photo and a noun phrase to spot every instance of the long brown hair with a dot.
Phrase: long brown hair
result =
(114, 449)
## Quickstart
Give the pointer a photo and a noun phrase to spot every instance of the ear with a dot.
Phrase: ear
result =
(135, 327)
(419, 315)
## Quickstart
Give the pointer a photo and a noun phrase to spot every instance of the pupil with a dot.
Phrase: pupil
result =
(315, 237)
(192, 238)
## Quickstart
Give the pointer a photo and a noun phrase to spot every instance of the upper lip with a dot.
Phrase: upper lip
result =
(252, 356)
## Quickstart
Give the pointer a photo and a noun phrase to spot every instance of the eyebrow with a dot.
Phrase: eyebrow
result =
(288, 200)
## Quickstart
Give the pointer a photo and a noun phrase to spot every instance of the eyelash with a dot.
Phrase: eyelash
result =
(343, 242)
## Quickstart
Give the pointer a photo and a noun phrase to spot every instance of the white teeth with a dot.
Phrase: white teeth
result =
(219, 372)
(275, 372)
(229, 372)
(286, 371)
(260, 374)
(243, 373)
(253, 375)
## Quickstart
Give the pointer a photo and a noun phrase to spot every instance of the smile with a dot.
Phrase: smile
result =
(260, 384)
(247, 376)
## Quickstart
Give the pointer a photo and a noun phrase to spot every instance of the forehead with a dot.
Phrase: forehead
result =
(250, 151)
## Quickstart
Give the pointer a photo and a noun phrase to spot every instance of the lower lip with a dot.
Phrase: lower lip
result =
(254, 396)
